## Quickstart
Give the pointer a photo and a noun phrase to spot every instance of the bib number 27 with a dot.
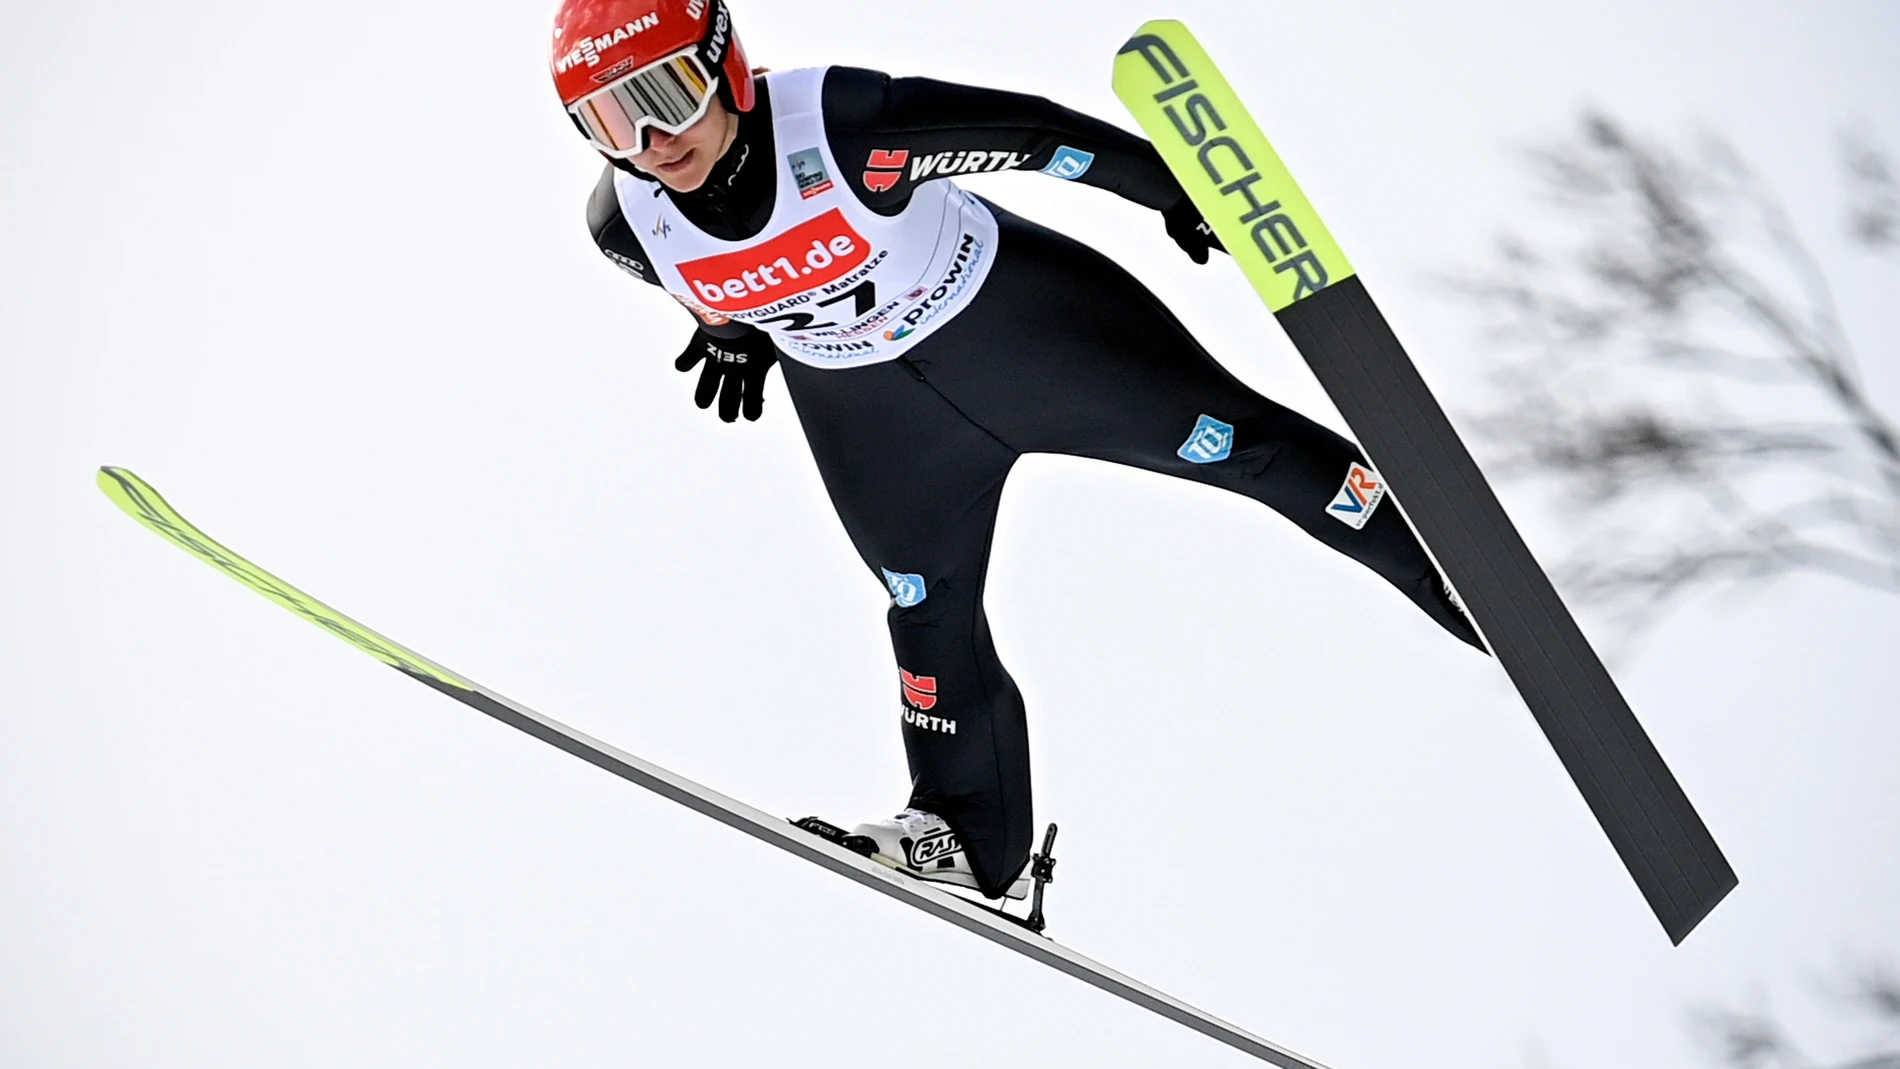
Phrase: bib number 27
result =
(864, 293)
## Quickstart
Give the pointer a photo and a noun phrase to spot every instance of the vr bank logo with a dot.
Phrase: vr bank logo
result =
(1362, 493)
(1211, 441)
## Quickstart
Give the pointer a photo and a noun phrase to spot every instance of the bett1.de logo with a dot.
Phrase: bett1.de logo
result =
(803, 258)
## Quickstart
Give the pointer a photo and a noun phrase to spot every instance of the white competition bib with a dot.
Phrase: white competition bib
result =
(836, 284)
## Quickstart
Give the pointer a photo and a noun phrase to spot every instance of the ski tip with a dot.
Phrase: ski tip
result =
(136, 498)
(121, 486)
(1160, 27)
(1153, 30)
(1175, 91)
(110, 475)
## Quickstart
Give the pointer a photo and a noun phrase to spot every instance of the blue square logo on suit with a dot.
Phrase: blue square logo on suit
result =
(906, 589)
(1070, 163)
(1211, 441)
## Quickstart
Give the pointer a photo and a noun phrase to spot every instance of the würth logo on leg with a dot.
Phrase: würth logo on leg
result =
(920, 692)
(920, 696)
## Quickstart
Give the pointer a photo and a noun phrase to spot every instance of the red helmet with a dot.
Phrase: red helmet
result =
(624, 66)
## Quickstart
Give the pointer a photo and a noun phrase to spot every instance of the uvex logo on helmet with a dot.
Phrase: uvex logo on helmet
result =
(633, 34)
(719, 36)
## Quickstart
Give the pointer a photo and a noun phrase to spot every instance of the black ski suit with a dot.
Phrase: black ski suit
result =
(1060, 352)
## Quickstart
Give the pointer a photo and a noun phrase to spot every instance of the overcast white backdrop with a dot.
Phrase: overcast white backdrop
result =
(319, 272)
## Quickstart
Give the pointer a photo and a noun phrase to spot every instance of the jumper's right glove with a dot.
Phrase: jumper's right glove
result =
(1189, 230)
(735, 371)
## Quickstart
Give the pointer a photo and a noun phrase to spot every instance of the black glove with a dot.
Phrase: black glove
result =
(735, 371)
(1190, 231)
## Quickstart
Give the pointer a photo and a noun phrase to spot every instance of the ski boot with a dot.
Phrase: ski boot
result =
(922, 845)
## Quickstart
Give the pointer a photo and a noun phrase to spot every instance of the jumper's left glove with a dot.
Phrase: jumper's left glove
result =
(1189, 230)
(735, 372)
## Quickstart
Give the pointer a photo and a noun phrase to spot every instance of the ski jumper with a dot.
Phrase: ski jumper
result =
(933, 338)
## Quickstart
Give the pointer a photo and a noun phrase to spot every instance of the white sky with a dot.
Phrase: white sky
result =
(320, 274)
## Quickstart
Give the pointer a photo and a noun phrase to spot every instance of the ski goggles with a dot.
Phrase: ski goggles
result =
(669, 95)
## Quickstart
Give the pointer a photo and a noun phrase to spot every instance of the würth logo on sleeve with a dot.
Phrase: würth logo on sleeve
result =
(1362, 493)
(885, 168)
(810, 255)
(974, 161)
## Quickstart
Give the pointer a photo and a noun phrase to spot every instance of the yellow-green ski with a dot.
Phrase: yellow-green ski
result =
(1227, 165)
(144, 504)
(1221, 158)
(139, 501)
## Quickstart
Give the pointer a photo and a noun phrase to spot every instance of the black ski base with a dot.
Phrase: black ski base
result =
(1644, 811)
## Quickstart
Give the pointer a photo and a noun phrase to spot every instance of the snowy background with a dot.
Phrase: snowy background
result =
(320, 274)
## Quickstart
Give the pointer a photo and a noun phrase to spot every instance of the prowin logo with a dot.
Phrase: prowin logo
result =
(954, 281)
(932, 848)
(589, 51)
(1193, 114)
(836, 348)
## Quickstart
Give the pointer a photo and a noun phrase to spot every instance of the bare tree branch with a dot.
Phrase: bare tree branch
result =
(1747, 1041)
(1880, 991)
(1678, 380)
(1874, 214)
(1753, 1040)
